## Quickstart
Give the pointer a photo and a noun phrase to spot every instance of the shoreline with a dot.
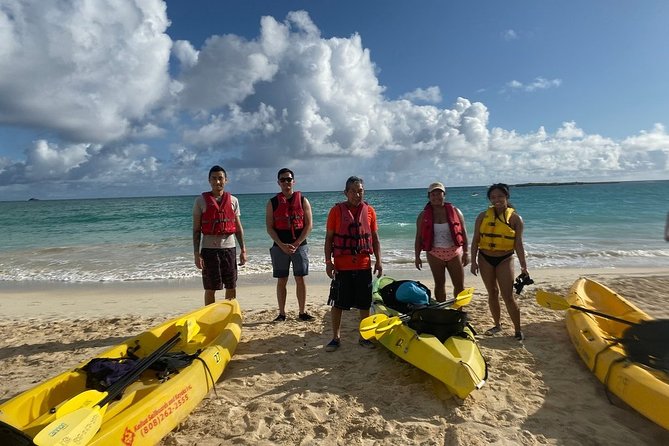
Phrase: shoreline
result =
(54, 300)
(282, 388)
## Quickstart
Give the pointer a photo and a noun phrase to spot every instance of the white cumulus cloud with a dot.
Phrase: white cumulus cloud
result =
(87, 70)
(95, 77)
(430, 95)
(509, 34)
(539, 83)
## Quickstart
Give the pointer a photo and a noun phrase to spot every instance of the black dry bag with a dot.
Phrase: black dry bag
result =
(440, 322)
(648, 343)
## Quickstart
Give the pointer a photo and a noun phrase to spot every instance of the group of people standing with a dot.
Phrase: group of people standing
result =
(351, 239)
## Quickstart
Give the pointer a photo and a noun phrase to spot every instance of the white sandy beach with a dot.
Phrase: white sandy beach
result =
(283, 388)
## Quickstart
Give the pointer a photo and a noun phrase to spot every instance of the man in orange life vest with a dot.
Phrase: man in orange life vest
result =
(288, 222)
(216, 224)
(351, 236)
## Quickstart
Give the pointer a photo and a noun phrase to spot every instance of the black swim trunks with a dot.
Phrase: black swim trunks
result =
(351, 289)
(220, 268)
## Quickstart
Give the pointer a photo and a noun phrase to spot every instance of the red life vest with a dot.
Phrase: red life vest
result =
(354, 236)
(427, 226)
(218, 219)
(289, 215)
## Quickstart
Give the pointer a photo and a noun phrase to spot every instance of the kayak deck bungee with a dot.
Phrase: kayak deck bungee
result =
(150, 406)
(596, 340)
(457, 362)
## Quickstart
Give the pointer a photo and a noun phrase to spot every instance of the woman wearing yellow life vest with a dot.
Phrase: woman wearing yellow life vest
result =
(498, 233)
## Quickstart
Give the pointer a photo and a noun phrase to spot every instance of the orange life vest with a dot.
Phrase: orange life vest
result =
(354, 235)
(427, 226)
(218, 219)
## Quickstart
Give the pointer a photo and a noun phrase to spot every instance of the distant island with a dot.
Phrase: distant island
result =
(572, 183)
(33, 199)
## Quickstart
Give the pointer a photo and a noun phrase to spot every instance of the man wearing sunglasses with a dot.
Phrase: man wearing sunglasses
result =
(288, 221)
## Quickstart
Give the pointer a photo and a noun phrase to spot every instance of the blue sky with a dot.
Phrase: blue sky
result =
(141, 97)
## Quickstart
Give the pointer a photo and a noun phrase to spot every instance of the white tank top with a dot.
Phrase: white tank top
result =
(442, 236)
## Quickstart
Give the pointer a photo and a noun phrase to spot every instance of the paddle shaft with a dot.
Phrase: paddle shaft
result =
(367, 331)
(115, 389)
(556, 302)
(447, 303)
(604, 315)
(369, 325)
(80, 426)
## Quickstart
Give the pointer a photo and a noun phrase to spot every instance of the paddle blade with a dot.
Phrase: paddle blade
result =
(188, 329)
(89, 398)
(368, 325)
(552, 300)
(463, 298)
(74, 429)
(387, 325)
(380, 282)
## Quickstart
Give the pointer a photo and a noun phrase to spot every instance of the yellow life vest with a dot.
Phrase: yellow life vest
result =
(496, 234)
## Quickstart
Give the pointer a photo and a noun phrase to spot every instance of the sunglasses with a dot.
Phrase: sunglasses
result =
(286, 180)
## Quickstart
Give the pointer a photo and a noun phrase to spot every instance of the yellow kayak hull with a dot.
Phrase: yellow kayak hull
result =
(642, 388)
(148, 409)
(458, 362)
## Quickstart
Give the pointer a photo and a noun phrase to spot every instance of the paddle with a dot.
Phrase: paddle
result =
(557, 302)
(79, 426)
(188, 328)
(388, 324)
(369, 324)
(644, 342)
(380, 323)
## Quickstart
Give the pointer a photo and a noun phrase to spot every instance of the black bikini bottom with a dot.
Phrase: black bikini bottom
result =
(493, 260)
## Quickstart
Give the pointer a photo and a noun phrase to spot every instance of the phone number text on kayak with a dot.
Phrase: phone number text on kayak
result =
(163, 412)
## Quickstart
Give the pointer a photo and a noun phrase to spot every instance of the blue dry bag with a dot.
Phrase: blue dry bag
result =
(411, 292)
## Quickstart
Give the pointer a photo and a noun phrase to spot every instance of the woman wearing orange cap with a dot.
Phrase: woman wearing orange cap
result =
(441, 233)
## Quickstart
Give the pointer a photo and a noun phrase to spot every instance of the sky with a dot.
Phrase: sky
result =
(120, 98)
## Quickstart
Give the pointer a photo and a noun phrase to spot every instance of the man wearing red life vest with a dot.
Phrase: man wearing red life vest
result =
(216, 224)
(351, 237)
(288, 222)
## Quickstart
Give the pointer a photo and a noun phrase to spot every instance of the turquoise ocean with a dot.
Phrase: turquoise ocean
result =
(595, 225)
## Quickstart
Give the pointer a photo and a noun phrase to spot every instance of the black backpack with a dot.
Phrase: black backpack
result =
(648, 343)
(11, 436)
(440, 322)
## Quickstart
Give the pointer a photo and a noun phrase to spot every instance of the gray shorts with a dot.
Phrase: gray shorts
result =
(281, 261)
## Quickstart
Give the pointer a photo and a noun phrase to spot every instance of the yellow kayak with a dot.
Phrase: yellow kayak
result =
(457, 362)
(645, 389)
(150, 406)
